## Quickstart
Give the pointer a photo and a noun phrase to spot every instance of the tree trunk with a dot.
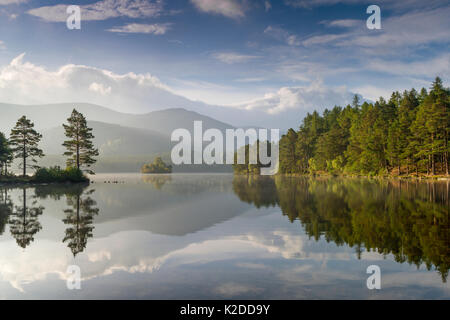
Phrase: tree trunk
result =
(433, 169)
(24, 159)
(78, 157)
(446, 162)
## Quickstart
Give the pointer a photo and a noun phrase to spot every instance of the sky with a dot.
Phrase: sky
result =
(268, 62)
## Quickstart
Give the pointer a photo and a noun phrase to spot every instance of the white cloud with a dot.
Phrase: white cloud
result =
(267, 5)
(102, 10)
(100, 88)
(248, 80)
(157, 29)
(316, 96)
(228, 8)
(7, 2)
(232, 57)
(427, 68)
(26, 83)
(323, 39)
(385, 3)
(23, 82)
(344, 23)
(282, 35)
(399, 31)
(373, 93)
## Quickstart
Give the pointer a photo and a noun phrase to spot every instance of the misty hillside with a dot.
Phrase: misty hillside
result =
(53, 115)
(111, 140)
(125, 141)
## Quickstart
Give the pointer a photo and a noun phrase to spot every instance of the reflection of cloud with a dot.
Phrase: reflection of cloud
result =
(249, 265)
(232, 289)
(99, 256)
(257, 240)
(21, 268)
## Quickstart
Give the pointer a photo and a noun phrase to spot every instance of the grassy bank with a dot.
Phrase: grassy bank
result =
(48, 175)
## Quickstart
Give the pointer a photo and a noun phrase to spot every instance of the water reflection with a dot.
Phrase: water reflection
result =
(24, 220)
(405, 218)
(219, 236)
(23, 216)
(80, 220)
(6, 207)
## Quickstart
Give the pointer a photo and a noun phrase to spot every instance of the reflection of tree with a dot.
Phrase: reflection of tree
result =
(407, 219)
(23, 221)
(80, 218)
(259, 190)
(6, 208)
(158, 181)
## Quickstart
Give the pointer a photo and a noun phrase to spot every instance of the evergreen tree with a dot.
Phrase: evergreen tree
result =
(288, 163)
(24, 141)
(410, 131)
(6, 155)
(80, 149)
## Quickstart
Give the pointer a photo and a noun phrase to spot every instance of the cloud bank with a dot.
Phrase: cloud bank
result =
(23, 82)
(102, 10)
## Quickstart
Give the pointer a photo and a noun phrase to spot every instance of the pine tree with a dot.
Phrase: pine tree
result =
(24, 141)
(394, 145)
(6, 155)
(287, 150)
(80, 149)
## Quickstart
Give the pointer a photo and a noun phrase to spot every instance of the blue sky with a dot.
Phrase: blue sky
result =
(276, 58)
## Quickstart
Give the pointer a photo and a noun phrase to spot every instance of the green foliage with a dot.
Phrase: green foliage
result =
(56, 174)
(80, 149)
(24, 141)
(410, 132)
(6, 154)
(158, 166)
(248, 168)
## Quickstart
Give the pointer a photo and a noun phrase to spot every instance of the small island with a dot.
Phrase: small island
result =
(158, 166)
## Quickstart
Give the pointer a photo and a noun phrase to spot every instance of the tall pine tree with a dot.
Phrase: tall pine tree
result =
(6, 155)
(24, 141)
(80, 149)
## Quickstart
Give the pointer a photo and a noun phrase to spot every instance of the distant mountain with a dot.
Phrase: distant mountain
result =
(125, 141)
(112, 140)
(53, 115)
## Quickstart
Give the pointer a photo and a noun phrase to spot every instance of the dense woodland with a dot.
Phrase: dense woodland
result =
(406, 135)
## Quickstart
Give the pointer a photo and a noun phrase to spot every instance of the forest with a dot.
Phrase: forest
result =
(407, 135)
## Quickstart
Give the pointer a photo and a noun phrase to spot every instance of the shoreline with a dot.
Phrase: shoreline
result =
(420, 178)
(31, 182)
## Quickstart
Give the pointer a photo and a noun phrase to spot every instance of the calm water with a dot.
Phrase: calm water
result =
(215, 236)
